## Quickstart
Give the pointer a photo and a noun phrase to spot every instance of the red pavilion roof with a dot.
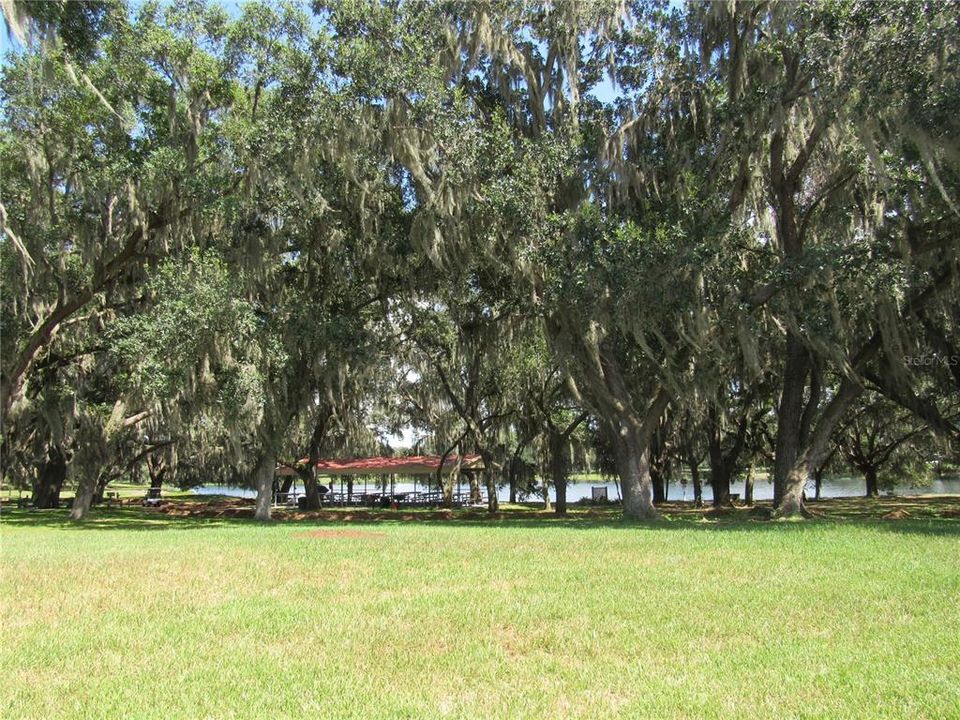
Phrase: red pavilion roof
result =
(411, 465)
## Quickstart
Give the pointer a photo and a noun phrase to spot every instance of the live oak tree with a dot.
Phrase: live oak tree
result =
(192, 354)
(106, 170)
(549, 407)
(804, 78)
(203, 151)
(528, 94)
(308, 237)
(876, 436)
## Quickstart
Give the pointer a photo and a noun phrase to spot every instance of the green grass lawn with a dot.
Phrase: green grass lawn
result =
(136, 614)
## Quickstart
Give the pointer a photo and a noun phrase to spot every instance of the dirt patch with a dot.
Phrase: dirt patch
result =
(217, 508)
(340, 533)
(228, 502)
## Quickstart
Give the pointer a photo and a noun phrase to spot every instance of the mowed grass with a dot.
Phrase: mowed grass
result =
(139, 615)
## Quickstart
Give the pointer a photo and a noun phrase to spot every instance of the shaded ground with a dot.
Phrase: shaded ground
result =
(202, 511)
(214, 507)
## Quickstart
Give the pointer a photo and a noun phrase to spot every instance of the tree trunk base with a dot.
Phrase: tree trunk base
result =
(793, 509)
(642, 513)
(83, 499)
(493, 502)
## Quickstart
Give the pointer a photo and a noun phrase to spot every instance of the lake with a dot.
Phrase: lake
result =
(836, 486)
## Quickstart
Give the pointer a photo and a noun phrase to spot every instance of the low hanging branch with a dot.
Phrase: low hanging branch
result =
(13, 380)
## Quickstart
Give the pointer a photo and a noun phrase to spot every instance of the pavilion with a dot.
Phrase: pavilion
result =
(390, 467)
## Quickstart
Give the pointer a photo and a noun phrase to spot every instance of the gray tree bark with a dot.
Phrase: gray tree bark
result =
(558, 472)
(84, 497)
(263, 481)
(490, 479)
(748, 487)
(632, 457)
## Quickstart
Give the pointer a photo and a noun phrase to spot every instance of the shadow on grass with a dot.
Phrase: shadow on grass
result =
(929, 515)
(132, 518)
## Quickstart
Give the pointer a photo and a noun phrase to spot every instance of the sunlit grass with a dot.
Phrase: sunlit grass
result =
(140, 615)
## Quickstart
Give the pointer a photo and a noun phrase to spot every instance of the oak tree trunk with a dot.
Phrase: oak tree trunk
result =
(659, 493)
(791, 503)
(632, 458)
(748, 487)
(446, 486)
(493, 502)
(84, 497)
(516, 468)
(489, 479)
(789, 415)
(263, 481)
(870, 475)
(815, 450)
(690, 458)
(720, 467)
(311, 490)
(49, 482)
(310, 486)
(558, 470)
(560, 486)
(445, 479)
(101, 488)
(720, 481)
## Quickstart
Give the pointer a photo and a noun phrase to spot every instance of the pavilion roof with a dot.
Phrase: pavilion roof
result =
(410, 465)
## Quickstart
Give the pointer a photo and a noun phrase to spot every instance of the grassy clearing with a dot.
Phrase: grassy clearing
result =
(137, 614)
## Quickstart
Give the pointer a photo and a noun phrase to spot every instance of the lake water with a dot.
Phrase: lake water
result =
(837, 486)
